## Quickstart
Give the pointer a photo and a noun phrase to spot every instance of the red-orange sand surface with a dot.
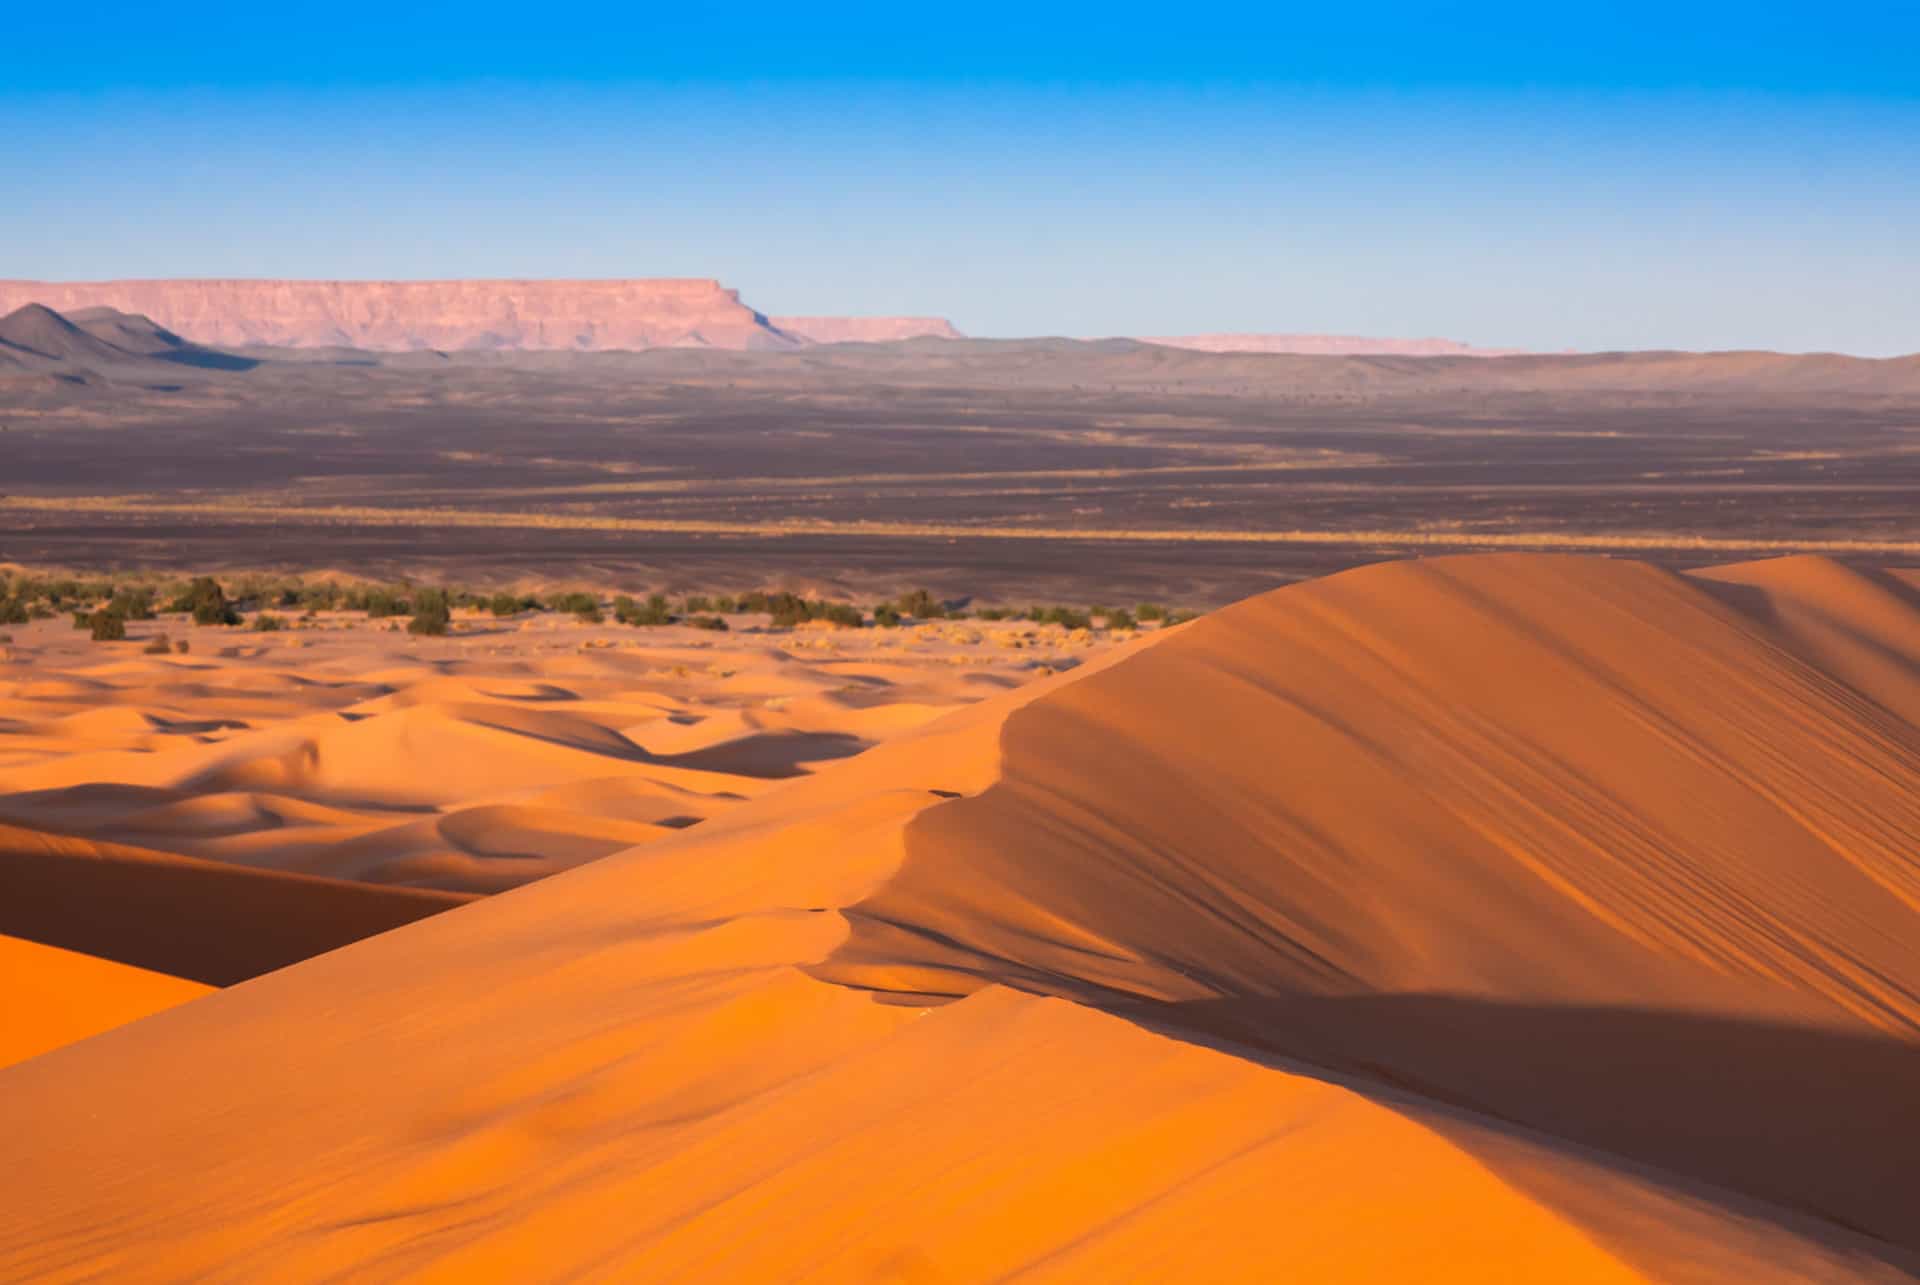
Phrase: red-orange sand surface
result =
(1520, 918)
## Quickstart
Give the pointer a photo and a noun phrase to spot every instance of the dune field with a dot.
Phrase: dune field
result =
(1500, 917)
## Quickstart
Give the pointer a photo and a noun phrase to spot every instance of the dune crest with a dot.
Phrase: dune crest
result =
(1525, 917)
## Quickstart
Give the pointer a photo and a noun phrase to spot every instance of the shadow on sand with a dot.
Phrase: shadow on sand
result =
(1820, 1122)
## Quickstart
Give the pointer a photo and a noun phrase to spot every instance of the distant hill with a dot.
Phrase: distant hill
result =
(865, 330)
(1329, 345)
(36, 338)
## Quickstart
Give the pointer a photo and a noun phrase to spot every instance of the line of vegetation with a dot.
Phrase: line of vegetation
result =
(270, 604)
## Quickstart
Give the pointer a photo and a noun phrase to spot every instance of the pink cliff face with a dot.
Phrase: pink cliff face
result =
(447, 315)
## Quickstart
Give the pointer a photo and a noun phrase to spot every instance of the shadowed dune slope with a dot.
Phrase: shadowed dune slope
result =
(52, 997)
(1526, 918)
(205, 920)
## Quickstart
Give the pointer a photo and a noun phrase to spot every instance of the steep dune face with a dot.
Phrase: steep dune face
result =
(1574, 843)
(403, 315)
(1523, 918)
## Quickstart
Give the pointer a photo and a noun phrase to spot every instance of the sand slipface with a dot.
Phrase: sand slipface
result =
(1532, 918)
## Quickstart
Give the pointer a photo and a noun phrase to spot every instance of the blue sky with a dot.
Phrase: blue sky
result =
(1598, 176)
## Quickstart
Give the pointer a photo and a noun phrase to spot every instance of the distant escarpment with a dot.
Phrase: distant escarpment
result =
(400, 316)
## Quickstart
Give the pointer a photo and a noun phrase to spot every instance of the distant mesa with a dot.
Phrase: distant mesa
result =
(455, 316)
(1329, 345)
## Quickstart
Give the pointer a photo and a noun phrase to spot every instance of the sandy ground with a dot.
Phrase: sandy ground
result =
(1489, 918)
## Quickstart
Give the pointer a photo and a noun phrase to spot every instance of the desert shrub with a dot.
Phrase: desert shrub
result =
(1150, 611)
(725, 605)
(83, 620)
(654, 611)
(708, 622)
(887, 616)
(844, 614)
(265, 623)
(13, 612)
(921, 605)
(787, 610)
(589, 614)
(1121, 619)
(1065, 617)
(207, 602)
(132, 604)
(432, 613)
(182, 647)
(755, 603)
(696, 604)
(571, 603)
(158, 646)
(992, 613)
(108, 627)
(317, 597)
(380, 604)
(40, 611)
(503, 604)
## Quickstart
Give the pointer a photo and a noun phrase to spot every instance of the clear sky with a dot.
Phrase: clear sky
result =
(1623, 175)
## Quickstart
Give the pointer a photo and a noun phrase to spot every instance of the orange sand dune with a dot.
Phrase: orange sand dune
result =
(204, 920)
(1526, 918)
(54, 997)
(338, 748)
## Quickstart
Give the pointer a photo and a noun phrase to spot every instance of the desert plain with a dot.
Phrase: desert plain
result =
(1514, 874)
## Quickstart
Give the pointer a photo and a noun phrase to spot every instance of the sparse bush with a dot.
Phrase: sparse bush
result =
(182, 647)
(697, 604)
(589, 615)
(846, 615)
(83, 620)
(725, 605)
(158, 646)
(264, 623)
(887, 616)
(132, 604)
(708, 622)
(1150, 611)
(785, 610)
(108, 627)
(572, 603)
(381, 604)
(503, 604)
(207, 602)
(13, 612)
(1066, 618)
(992, 613)
(653, 611)
(1120, 619)
(921, 605)
(431, 613)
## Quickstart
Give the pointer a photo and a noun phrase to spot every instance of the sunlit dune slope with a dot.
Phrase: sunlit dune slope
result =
(1525, 918)
(50, 997)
